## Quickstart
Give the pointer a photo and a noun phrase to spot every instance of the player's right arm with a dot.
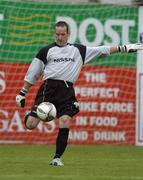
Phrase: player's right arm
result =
(34, 72)
(21, 97)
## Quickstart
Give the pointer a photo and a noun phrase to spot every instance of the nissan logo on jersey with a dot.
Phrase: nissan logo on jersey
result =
(64, 59)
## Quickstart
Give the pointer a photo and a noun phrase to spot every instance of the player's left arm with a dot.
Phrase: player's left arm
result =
(127, 48)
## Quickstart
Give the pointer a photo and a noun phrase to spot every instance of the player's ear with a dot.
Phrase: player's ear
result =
(68, 34)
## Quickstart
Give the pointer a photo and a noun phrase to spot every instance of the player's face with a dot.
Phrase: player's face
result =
(61, 35)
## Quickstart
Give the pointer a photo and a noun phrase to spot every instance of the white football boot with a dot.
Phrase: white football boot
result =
(56, 162)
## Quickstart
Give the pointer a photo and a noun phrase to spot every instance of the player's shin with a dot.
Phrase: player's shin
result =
(61, 142)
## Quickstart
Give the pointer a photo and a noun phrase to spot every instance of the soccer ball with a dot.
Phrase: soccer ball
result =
(46, 111)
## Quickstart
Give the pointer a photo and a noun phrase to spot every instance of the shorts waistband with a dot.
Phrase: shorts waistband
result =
(58, 80)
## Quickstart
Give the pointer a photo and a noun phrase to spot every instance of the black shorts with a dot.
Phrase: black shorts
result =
(61, 94)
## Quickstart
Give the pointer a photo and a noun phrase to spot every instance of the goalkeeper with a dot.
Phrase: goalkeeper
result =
(60, 63)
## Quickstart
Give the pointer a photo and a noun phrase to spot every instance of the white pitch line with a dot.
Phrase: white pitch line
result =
(73, 177)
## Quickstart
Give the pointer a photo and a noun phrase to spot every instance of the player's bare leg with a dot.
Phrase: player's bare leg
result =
(64, 121)
(31, 122)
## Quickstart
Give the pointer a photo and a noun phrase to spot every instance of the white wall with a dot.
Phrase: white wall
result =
(102, 1)
(127, 2)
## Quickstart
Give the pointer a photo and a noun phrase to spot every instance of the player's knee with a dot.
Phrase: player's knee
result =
(31, 122)
(64, 121)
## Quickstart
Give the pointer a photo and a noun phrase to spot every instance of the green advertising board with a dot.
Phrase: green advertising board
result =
(25, 27)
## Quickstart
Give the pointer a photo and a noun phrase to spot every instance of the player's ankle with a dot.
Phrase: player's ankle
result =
(57, 156)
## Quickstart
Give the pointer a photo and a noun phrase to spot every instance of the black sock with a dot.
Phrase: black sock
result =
(61, 142)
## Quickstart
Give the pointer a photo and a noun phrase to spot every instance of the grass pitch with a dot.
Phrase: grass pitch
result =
(82, 162)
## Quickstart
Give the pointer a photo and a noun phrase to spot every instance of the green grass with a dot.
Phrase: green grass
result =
(82, 162)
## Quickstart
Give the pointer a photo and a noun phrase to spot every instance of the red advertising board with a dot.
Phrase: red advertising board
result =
(107, 97)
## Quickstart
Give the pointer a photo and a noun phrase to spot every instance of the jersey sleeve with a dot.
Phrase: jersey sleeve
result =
(82, 51)
(93, 52)
(34, 71)
(42, 55)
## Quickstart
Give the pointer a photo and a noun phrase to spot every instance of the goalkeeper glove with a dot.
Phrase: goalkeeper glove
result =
(20, 98)
(130, 48)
